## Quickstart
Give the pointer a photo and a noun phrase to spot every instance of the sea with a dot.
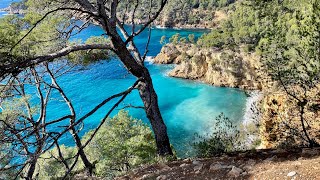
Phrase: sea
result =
(188, 107)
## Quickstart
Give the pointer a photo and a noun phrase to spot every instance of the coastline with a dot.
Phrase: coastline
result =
(200, 68)
(181, 27)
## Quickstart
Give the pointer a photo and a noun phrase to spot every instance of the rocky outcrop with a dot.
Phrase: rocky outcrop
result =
(279, 115)
(214, 66)
(280, 124)
(15, 8)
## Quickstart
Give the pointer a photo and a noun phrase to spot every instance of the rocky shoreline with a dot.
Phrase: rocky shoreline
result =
(239, 69)
(223, 68)
(216, 67)
(11, 10)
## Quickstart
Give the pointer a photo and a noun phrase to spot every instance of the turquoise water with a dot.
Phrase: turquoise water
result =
(187, 107)
(6, 3)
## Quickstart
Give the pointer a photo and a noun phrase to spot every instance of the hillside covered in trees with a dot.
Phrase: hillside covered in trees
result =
(268, 46)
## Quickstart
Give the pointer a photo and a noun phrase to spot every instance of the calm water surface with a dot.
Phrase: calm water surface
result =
(187, 107)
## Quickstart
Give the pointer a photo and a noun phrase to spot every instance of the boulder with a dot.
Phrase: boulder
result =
(235, 172)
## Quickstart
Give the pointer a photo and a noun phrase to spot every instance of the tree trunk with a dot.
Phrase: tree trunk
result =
(311, 142)
(34, 161)
(88, 165)
(147, 93)
(31, 169)
(150, 100)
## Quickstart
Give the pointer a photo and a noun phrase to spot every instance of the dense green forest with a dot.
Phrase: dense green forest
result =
(285, 35)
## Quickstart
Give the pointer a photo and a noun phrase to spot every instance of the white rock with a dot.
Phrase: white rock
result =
(161, 177)
(292, 173)
(198, 167)
(196, 162)
(217, 166)
(235, 172)
(297, 163)
(146, 176)
(183, 165)
(186, 160)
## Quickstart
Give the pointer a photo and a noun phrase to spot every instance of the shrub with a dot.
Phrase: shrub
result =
(50, 165)
(191, 38)
(175, 39)
(225, 138)
(121, 144)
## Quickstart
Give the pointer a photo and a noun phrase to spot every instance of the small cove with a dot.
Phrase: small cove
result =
(188, 107)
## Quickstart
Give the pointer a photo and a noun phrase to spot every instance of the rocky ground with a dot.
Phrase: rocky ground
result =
(259, 164)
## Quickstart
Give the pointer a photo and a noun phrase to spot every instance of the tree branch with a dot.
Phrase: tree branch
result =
(13, 68)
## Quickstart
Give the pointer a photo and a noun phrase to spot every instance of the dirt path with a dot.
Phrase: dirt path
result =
(301, 164)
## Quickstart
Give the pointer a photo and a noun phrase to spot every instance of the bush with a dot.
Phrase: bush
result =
(216, 38)
(191, 38)
(225, 138)
(121, 144)
(175, 39)
(50, 166)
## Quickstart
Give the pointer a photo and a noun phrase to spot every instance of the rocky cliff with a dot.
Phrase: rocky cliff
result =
(279, 119)
(214, 66)
(280, 124)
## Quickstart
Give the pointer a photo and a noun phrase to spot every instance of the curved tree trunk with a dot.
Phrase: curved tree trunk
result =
(147, 93)
(150, 100)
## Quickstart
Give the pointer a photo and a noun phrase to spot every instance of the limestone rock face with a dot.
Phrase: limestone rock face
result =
(280, 119)
(215, 67)
(167, 55)
(239, 69)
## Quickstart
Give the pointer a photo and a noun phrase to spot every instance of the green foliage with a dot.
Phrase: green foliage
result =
(163, 40)
(45, 38)
(13, 109)
(175, 39)
(216, 38)
(291, 50)
(51, 35)
(6, 157)
(121, 144)
(50, 167)
(225, 138)
(191, 38)
(181, 12)
(90, 56)
(10, 28)
(287, 36)
(242, 27)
